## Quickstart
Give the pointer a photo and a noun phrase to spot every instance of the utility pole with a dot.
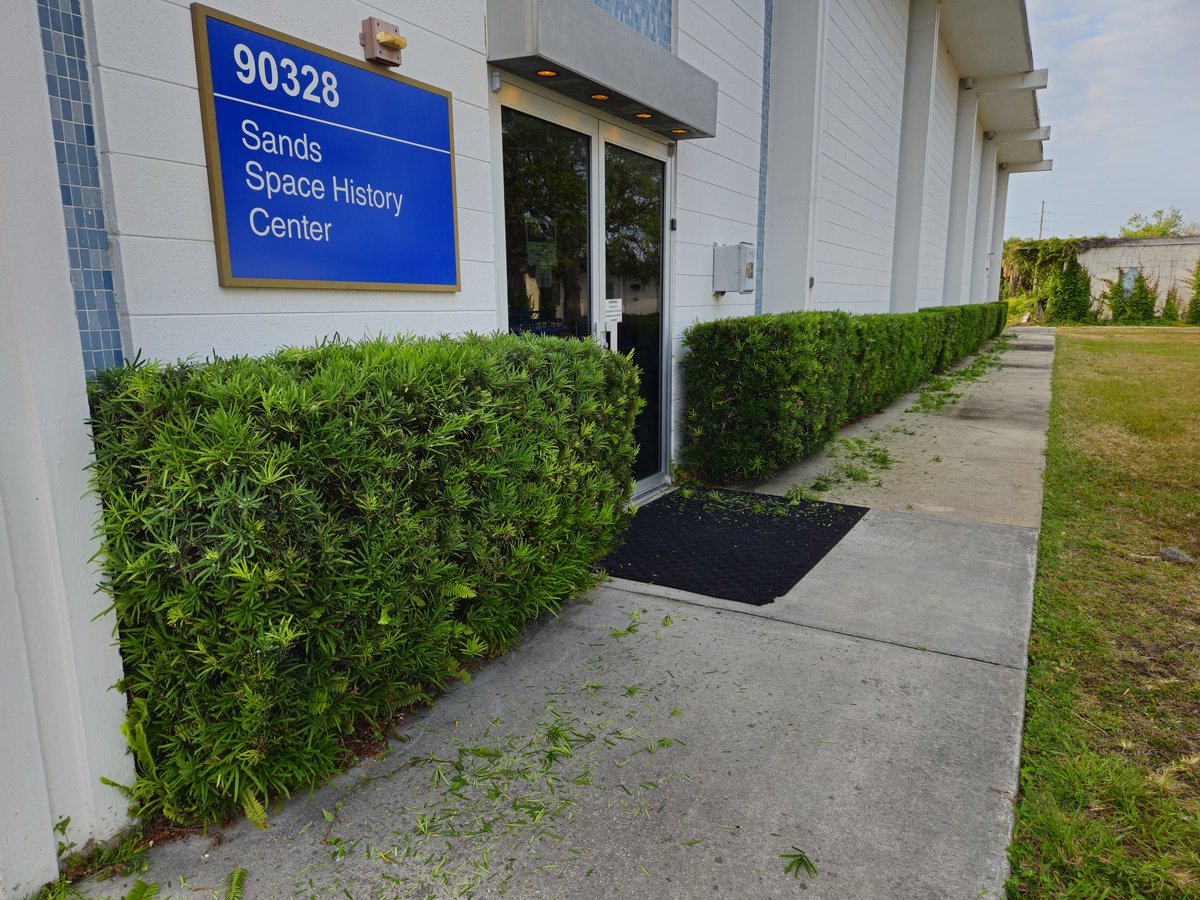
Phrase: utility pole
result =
(1041, 220)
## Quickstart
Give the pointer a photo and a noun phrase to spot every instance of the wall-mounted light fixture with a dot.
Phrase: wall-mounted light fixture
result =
(381, 41)
(495, 82)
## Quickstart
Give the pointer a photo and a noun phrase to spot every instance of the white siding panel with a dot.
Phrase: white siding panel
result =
(862, 96)
(717, 179)
(972, 207)
(938, 168)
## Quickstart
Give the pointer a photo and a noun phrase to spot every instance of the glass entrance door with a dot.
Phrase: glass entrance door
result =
(634, 206)
(584, 208)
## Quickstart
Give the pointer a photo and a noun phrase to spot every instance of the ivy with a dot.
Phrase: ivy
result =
(1118, 303)
(1049, 271)
(1193, 313)
(1170, 310)
(1142, 301)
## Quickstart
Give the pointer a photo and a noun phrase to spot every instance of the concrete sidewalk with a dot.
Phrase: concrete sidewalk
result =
(653, 743)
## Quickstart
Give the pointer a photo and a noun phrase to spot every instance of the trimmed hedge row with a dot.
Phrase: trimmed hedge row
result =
(304, 544)
(765, 391)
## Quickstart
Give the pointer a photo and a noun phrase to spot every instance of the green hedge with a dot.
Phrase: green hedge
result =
(765, 391)
(302, 545)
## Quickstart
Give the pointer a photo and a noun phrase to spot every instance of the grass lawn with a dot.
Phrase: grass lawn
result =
(1110, 769)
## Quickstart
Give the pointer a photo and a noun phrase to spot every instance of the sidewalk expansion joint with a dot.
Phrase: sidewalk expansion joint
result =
(720, 605)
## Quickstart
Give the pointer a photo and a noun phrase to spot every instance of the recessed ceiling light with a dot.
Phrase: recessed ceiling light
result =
(679, 131)
(546, 73)
(642, 115)
(599, 96)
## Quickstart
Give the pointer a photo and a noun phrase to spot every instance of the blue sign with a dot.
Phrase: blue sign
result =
(324, 171)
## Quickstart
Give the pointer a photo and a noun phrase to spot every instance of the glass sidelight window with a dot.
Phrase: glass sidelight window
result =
(634, 195)
(546, 169)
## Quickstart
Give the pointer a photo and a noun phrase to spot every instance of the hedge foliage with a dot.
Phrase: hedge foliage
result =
(301, 545)
(765, 391)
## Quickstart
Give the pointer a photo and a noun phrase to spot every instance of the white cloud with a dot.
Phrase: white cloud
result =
(1124, 103)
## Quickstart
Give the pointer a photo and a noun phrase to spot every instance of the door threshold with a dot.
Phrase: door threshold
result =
(651, 492)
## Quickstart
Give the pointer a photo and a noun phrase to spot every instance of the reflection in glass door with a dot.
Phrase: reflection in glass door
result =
(634, 205)
(546, 171)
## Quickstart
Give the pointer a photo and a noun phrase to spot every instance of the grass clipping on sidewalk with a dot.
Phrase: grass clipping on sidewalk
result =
(1110, 777)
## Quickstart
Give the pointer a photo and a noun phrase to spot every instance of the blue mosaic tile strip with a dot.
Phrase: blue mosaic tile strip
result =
(79, 178)
(649, 18)
(768, 14)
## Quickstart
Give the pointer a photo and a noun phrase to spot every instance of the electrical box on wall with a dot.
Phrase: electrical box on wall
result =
(733, 268)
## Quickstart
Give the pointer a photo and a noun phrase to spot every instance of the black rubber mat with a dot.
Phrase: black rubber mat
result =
(751, 548)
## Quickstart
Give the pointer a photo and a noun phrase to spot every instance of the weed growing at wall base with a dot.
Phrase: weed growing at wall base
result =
(300, 545)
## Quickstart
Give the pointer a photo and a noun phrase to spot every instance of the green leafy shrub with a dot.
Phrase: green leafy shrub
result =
(1068, 293)
(1048, 288)
(1032, 267)
(1118, 303)
(765, 391)
(1170, 310)
(1021, 306)
(301, 545)
(1193, 313)
(1081, 292)
(1142, 300)
(892, 355)
(964, 328)
(762, 389)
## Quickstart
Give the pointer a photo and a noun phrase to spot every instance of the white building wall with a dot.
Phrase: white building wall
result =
(59, 720)
(939, 165)
(862, 99)
(717, 180)
(153, 155)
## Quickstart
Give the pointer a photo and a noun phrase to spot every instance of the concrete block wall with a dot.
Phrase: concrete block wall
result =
(1163, 261)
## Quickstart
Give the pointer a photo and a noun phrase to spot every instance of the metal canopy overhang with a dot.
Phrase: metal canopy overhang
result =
(988, 38)
(591, 53)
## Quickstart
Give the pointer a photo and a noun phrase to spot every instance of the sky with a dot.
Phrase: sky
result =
(1123, 103)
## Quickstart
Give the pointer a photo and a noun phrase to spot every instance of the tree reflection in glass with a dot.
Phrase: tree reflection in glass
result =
(546, 226)
(633, 225)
